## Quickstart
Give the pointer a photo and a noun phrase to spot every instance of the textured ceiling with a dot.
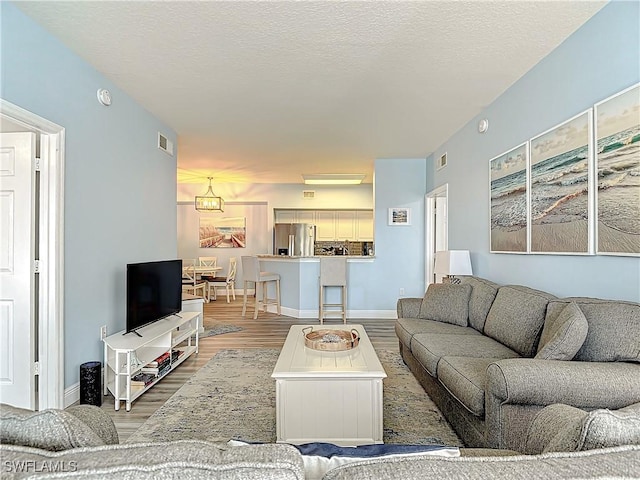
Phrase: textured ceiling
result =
(266, 91)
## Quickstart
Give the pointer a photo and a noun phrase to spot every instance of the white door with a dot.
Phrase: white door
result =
(436, 230)
(17, 160)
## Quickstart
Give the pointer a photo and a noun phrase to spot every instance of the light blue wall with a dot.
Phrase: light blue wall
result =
(598, 60)
(399, 251)
(119, 189)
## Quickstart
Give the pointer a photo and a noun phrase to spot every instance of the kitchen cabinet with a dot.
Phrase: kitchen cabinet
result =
(346, 225)
(325, 226)
(333, 225)
(364, 225)
(286, 216)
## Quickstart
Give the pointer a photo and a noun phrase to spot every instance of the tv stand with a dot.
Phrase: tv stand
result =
(126, 355)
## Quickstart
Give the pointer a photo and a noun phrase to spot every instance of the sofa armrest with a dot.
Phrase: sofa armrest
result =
(97, 420)
(408, 307)
(585, 385)
(518, 388)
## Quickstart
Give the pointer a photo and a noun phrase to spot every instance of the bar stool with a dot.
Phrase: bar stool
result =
(251, 274)
(333, 273)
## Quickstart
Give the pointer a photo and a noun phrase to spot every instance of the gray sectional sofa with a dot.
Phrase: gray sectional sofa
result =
(82, 442)
(492, 357)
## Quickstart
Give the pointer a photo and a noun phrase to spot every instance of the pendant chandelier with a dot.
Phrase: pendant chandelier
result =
(209, 202)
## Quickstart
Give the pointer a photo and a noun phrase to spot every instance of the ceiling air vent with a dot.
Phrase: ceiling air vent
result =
(308, 194)
(165, 144)
(442, 161)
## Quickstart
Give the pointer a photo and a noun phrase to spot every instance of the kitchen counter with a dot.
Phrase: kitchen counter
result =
(299, 283)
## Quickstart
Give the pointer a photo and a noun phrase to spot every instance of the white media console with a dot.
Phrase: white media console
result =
(125, 355)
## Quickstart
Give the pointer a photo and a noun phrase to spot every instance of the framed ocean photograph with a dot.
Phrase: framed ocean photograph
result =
(617, 132)
(508, 201)
(560, 188)
(218, 232)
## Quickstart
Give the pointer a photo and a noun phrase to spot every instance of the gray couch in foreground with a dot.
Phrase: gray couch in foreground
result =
(82, 442)
(492, 357)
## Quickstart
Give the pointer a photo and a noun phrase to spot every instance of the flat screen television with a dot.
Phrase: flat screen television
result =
(154, 291)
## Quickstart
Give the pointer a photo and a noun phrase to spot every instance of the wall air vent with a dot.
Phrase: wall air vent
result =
(308, 194)
(442, 161)
(165, 144)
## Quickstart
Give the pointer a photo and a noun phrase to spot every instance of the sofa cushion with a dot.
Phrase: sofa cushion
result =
(619, 463)
(446, 302)
(483, 294)
(562, 338)
(516, 318)
(577, 429)
(465, 379)
(406, 328)
(49, 429)
(429, 349)
(614, 328)
(181, 459)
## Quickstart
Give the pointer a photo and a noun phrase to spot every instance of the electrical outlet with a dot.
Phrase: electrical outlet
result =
(103, 331)
(402, 292)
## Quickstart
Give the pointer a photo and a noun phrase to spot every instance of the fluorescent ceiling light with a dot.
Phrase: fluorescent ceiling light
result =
(334, 179)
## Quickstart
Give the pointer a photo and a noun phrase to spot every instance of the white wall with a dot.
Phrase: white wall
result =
(284, 195)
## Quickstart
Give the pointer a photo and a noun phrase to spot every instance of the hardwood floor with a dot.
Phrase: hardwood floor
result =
(268, 331)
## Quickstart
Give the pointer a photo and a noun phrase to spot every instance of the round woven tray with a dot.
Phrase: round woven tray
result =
(330, 340)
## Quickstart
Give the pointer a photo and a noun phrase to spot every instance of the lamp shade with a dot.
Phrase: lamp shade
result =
(453, 262)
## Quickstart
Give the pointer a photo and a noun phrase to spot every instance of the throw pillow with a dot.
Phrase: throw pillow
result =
(562, 338)
(320, 457)
(49, 429)
(600, 429)
(445, 302)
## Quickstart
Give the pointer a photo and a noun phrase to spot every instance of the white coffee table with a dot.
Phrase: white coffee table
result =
(333, 397)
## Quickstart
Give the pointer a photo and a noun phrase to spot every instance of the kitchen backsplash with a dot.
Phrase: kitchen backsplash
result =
(338, 248)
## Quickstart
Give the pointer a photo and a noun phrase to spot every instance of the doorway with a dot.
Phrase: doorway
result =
(436, 230)
(31, 317)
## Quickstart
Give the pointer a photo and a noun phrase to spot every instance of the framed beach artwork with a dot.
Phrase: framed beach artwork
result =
(560, 205)
(399, 216)
(508, 175)
(218, 232)
(617, 128)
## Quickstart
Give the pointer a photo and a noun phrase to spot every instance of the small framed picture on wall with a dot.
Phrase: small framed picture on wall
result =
(399, 216)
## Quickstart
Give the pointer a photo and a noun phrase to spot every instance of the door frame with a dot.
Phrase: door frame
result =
(430, 226)
(51, 265)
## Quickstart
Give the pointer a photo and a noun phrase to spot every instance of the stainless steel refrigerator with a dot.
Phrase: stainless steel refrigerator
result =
(294, 239)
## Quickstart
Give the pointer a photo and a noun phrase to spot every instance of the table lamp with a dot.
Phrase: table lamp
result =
(452, 262)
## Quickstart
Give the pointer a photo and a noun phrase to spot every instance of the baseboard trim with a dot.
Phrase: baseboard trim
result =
(351, 314)
(71, 394)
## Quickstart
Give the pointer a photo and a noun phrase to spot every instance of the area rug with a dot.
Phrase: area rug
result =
(233, 396)
(219, 330)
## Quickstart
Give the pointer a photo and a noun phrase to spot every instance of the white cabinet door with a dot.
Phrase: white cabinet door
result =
(285, 216)
(364, 225)
(325, 226)
(346, 225)
(306, 216)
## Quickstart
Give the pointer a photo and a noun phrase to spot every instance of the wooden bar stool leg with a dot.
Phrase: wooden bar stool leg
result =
(244, 301)
(344, 304)
(278, 296)
(320, 304)
(255, 312)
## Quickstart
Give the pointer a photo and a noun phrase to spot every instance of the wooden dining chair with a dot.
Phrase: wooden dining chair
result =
(228, 282)
(191, 283)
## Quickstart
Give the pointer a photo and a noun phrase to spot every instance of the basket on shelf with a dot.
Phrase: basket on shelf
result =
(330, 340)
